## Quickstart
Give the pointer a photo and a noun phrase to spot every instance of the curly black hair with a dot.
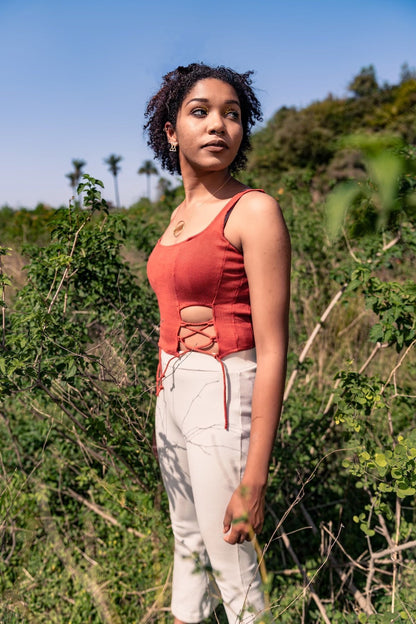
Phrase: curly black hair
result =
(165, 104)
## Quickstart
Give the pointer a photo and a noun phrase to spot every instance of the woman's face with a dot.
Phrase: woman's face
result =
(208, 127)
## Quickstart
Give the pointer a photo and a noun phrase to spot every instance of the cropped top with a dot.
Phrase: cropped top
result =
(203, 270)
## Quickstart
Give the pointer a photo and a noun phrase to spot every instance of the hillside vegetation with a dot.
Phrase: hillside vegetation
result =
(84, 524)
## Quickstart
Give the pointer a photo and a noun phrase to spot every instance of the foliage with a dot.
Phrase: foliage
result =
(296, 141)
(113, 165)
(84, 526)
(148, 168)
(75, 376)
(360, 425)
(386, 199)
(26, 226)
(364, 83)
(74, 176)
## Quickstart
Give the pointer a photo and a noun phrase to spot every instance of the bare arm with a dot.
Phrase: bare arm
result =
(266, 247)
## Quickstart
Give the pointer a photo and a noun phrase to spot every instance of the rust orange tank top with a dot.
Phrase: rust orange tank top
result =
(205, 270)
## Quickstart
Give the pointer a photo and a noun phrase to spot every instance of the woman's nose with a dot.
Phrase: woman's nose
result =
(216, 124)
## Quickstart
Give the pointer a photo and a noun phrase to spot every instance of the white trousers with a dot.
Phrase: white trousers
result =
(202, 463)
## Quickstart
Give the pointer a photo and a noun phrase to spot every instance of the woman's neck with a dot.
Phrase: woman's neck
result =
(201, 187)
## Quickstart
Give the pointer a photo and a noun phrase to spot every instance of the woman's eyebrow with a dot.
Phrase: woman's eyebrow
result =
(205, 100)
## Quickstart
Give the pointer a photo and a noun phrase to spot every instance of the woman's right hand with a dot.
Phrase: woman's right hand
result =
(244, 515)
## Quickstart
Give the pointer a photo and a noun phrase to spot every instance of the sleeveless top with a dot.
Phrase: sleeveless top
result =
(203, 270)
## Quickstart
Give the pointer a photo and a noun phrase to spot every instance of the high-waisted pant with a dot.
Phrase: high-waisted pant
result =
(202, 463)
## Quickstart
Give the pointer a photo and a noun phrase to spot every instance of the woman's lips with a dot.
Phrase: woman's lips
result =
(215, 146)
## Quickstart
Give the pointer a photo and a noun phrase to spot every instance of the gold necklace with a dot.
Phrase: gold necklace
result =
(179, 227)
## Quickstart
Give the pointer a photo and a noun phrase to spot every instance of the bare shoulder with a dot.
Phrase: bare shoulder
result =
(261, 213)
(258, 199)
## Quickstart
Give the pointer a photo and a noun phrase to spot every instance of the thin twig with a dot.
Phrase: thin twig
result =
(400, 362)
(65, 273)
(390, 551)
(101, 512)
(323, 318)
(308, 583)
(352, 254)
(370, 358)
(311, 339)
(354, 562)
(368, 609)
(107, 614)
(356, 320)
(156, 604)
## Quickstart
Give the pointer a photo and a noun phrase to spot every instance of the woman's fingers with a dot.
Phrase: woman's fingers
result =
(243, 518)
(238, 533)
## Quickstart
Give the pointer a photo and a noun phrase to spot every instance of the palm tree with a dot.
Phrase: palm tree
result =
(75, 176)
(72, 181)
(163, 186)
(148, 169)
(113, 166)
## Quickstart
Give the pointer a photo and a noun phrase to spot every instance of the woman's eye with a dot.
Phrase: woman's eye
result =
(199, 112)
(233, 114)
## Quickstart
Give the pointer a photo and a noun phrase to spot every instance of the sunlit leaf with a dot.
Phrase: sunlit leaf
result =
(337, 206)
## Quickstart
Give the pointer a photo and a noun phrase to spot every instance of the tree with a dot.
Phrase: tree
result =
(407, 73)
(364, 83)
(113, 166)
(148, 168)
(163, 186)
(75, 176)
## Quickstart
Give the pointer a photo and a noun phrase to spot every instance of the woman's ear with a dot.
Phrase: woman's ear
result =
(170, 133)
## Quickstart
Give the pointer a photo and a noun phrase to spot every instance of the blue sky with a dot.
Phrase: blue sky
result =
(76, 75)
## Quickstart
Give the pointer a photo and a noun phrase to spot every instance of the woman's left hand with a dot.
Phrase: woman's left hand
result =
(244, 514)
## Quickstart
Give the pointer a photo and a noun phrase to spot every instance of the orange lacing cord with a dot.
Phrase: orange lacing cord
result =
(202, 349)
(194, 331)
(224, 384)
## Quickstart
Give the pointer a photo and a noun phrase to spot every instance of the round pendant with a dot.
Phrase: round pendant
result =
(178, 228)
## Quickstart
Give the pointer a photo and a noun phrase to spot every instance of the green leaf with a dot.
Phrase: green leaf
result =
(72, 370)
(402, 493)
(337, 206)
(380, 460)
(384, 487)
(366, 529)
(385, 169)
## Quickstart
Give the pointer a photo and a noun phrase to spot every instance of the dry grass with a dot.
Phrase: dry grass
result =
(13, 266)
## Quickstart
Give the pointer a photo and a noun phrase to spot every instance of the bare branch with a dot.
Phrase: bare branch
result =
(311, 339)
(359, 598)
(71, 254)
(390, 551)
(323, 318)
(104, 609)
(101, 512)
(400, 362)
(308, 583)
(367, 608)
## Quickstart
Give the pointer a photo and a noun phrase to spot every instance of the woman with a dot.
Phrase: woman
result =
(221, 276)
